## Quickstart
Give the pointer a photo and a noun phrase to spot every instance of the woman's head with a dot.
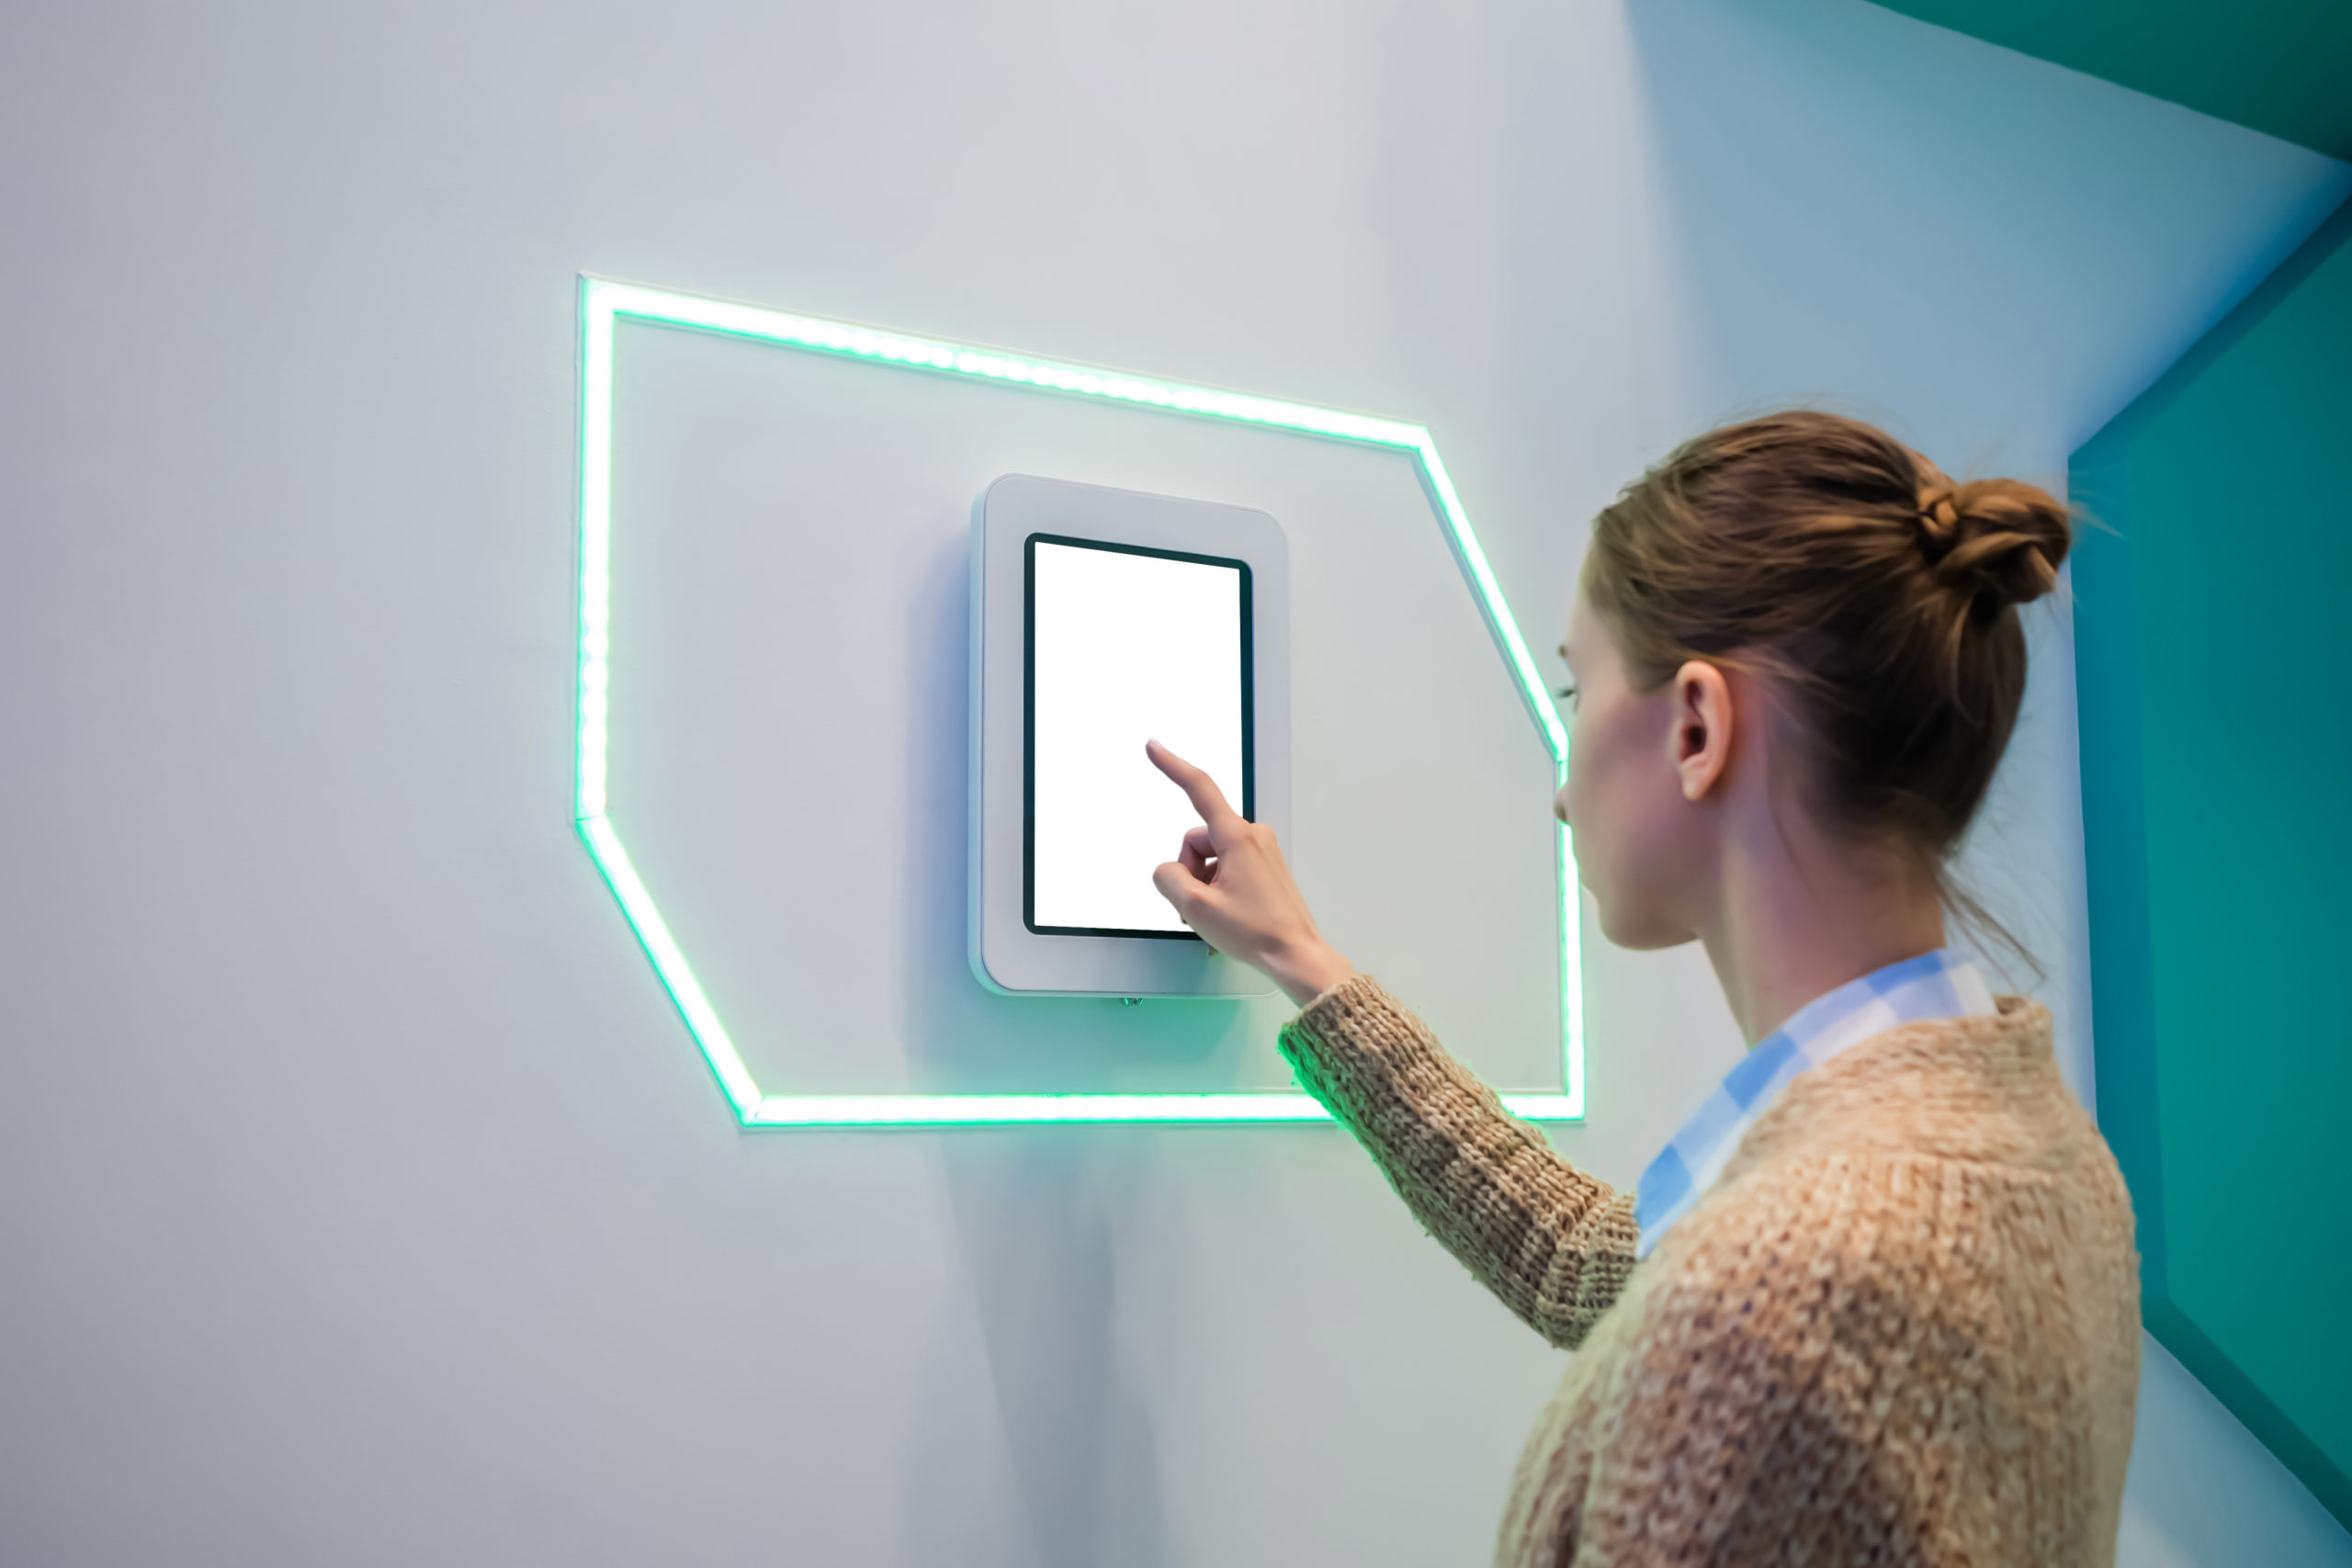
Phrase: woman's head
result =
(1852, 606)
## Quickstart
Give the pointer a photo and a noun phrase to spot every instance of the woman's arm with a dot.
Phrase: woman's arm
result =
(1555, 1244)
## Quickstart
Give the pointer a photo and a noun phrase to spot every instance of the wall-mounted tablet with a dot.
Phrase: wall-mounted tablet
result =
(1102, 618)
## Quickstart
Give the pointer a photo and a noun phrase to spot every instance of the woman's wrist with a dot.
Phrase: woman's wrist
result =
(1309, 971)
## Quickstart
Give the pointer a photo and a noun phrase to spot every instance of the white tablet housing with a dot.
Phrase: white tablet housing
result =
(1086, 546)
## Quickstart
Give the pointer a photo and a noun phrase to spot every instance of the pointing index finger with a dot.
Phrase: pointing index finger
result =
(1198, 787)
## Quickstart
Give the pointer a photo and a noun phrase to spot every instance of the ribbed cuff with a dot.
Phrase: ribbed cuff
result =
(1316, 1004)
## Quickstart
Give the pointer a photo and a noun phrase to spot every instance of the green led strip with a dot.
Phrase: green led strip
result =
(602, 303)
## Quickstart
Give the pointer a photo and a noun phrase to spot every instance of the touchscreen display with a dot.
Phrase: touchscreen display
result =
(1126, 644)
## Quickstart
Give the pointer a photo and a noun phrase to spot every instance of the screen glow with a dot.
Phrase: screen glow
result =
(1125, 647)
(602, 303)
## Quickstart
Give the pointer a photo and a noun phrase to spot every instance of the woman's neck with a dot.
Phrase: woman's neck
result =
(1791, 925)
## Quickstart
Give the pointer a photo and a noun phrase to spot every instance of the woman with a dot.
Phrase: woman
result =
(1877, 1302)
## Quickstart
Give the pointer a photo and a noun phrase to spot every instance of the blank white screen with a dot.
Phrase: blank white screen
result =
(1127, 647)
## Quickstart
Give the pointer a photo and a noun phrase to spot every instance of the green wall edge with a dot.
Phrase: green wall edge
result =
(2277, 66)
(2116, 627)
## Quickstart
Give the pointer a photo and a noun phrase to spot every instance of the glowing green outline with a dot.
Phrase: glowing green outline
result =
(601, 303)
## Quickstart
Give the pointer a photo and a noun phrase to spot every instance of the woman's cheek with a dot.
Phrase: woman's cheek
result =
(1588, 819)
(1605, 810)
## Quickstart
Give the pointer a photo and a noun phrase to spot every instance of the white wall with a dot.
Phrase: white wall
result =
(360, 1197)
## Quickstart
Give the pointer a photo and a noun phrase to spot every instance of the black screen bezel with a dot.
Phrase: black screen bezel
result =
(1029, 718)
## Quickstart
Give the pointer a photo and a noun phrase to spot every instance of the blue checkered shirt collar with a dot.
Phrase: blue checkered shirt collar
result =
(1936, 984)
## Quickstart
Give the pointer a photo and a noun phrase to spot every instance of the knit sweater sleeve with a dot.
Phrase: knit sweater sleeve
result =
(1556, 1244)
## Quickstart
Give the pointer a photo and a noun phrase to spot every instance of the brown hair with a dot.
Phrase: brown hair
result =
(1823, 553)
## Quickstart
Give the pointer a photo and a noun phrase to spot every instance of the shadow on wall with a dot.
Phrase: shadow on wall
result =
(1036, 1214)
(1039, 1221)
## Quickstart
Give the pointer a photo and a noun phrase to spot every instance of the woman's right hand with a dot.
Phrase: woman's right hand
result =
(1230, 885)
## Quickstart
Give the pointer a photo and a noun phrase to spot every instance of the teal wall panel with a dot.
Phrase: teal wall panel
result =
(2280, 66)
(2217, 783)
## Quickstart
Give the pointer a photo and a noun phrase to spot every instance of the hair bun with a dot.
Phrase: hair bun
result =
(1996, 539)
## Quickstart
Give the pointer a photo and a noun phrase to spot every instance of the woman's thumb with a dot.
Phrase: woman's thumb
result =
(1177, 886)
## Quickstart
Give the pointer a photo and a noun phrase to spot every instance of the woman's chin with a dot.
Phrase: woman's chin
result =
(1642, 930)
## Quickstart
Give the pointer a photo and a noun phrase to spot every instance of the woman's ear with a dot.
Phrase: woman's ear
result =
(1703, 726)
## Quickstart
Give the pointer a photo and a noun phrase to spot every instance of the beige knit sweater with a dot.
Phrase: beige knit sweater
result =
(1901, 1327)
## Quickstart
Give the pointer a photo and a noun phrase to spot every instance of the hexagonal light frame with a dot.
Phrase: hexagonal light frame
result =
(602, 303)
